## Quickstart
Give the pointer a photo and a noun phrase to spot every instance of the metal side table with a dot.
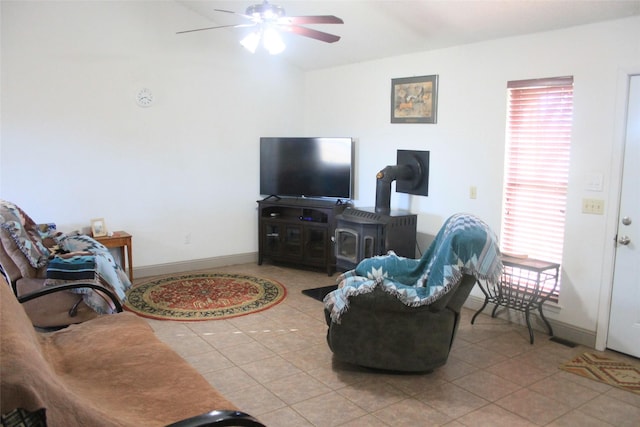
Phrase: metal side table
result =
(525, 285)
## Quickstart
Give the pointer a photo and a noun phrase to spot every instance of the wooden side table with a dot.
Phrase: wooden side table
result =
(120, 239)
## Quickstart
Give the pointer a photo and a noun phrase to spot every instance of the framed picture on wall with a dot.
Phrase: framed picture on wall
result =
(98, 227)
(414, 99)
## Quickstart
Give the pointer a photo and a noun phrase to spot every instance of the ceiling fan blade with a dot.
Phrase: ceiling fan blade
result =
(319, 19)
(213, 28)
(314, 34)
(235, 13)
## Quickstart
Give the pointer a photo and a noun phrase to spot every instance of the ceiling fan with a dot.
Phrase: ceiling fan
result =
(268, 19)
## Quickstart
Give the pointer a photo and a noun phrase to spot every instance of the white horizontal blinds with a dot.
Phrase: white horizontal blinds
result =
(537, 167)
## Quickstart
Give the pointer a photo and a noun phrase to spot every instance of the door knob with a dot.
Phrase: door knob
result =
(624, 240)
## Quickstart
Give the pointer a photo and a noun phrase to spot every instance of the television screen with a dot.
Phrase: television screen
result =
(306, 167)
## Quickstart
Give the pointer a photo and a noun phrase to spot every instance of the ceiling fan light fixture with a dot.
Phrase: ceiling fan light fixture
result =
(251, 41)
(265, 11)
(272, 41)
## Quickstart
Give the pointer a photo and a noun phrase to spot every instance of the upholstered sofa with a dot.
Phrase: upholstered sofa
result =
(108, 371)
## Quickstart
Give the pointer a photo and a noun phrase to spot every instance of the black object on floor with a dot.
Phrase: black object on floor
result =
(319, 293)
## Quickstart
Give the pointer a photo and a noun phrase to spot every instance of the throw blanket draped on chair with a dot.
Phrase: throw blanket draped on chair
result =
(92, 261)
(464, 245)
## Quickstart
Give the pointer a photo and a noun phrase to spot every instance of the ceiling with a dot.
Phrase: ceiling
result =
(375, 29)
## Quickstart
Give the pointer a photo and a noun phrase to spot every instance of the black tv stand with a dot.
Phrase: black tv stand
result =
(298, 231)
(273, 196)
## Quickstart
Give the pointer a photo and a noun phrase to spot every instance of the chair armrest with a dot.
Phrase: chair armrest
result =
(46, 290)
(219, 418)
(461, 294)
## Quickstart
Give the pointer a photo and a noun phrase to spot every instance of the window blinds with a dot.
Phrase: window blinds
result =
(537, 167)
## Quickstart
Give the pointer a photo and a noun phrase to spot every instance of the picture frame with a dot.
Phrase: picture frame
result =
(414, 99)
(98, 227)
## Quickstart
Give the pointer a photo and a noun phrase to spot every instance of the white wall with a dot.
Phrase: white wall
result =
(75, 146)
(467, 144)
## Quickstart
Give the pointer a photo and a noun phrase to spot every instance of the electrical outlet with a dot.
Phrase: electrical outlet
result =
(593, 206)
(473, 192)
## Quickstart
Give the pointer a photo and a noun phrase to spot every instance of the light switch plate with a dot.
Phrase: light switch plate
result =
(593, 206)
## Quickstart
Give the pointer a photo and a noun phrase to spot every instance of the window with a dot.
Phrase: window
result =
(537, 167)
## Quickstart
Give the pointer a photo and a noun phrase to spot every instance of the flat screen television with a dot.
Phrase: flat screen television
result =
(307, 167)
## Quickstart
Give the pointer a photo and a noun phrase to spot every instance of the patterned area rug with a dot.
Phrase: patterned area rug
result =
(603, 369)
(204, 296)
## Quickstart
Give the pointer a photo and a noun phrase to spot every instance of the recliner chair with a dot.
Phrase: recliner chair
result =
(402, 314)
(26, 260)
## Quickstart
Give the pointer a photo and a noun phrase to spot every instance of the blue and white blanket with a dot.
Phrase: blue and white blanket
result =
(84, 266)
(464, 245)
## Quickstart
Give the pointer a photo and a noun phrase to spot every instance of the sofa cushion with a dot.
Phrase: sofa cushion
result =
(24, 232)
(18, 260)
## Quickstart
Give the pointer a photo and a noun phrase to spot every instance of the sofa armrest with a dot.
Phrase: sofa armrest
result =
(46, 290)
(219, 418)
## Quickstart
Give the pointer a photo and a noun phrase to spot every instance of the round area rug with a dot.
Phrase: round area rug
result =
(204, 296)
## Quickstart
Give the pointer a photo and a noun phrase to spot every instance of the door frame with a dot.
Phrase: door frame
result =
(613, 211)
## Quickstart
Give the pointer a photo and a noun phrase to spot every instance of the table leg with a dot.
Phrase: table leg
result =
(123, 260)
(130, 262)
(526, 316)
(486, 301)
(546, 322)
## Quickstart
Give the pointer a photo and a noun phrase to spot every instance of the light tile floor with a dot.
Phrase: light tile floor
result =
(276, 365)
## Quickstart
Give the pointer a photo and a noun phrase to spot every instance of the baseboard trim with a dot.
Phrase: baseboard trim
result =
(560, 329)
(194, 265)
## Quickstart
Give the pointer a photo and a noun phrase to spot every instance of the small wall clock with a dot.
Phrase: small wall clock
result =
(144, 97)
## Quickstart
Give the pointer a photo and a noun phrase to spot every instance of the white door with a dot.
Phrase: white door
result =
(624, 318)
